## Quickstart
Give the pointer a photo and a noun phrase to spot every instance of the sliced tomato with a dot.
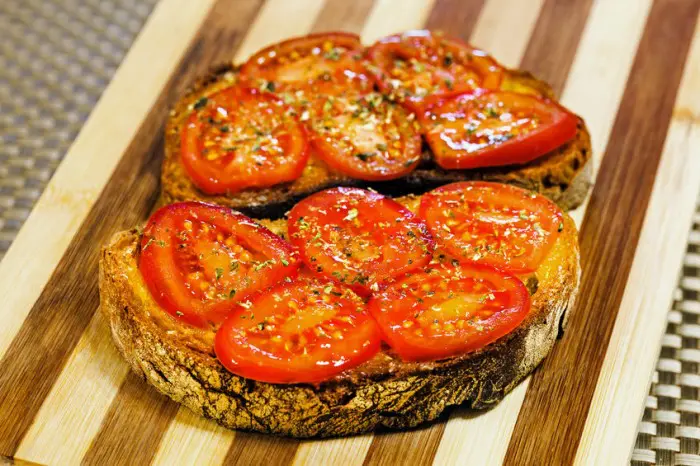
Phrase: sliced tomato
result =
(240, 138)
(300, 332)
(449, 310)
(199, 259)
(418, 64)
(495, 128)
(358, 237)
(492, 223)
(319, 63)
(365, 136)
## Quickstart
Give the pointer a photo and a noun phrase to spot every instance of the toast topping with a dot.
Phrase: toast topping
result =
(492, 223)
(446, 310)
(198, 260)
(418, 64)
(369, 269)
(304, 331)
(489, 129)
(358, 237)
(240, 138)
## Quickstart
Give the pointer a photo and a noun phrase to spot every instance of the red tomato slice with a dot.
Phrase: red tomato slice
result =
(417, 64)
(444, 311)
(495, 128)
(358, 237)
(300, 332)
(199, 259)
(318, 63)
(239, 138)
(365, 136)
(492, 223)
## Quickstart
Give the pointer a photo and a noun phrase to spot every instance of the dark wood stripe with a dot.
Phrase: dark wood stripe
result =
(414, 447)
(556, 405)
(456, 18)
(343, 15)
(552, 47)
(7, 461)
(54, 325)
(121, 439)
(261, 449)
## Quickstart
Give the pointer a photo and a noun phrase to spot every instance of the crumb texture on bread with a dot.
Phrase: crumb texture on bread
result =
(563, 175)
(179, 361)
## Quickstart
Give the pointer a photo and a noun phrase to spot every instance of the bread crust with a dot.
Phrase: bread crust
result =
(563, 175)
(385, 391)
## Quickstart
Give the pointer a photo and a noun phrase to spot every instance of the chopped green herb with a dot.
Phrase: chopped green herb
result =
(231, 294)
(352, 214)
(285, 262)
(447, 61)
(365, 156)
(560, 227)
(200, 103)
(233, 266)
(381, 147)
(219, 272)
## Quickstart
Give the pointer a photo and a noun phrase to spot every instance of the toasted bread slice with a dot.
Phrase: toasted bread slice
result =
(563, 175)
(385, 391)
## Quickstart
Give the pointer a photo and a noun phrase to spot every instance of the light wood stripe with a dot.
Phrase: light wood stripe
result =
(384, 18)
(77, 182)
(609, 235)
(514, 19)
(600, 71)
(624, 377)
(349, 451)
(279, 20)
(192, 439)
(341, 15)
(65, 425)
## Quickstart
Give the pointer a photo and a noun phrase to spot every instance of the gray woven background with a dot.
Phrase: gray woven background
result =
(57, 56)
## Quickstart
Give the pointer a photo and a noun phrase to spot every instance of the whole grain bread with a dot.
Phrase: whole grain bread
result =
(563, 175)
(179, 361)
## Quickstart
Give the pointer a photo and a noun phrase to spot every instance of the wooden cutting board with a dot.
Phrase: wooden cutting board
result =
(631, 68)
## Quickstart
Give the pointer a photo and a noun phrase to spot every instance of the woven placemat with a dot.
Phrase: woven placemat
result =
(57, 56)
(670, 429)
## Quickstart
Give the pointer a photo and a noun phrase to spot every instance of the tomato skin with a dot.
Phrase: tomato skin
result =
(461, 132)
(305, 331)
(492, 223)
(358, 237)
(256, 143)
(443, 64)
(181, 250)
(445, 311)
(340, 135)
(266, 68)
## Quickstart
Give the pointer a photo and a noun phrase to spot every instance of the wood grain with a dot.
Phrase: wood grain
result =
(609, 235)
(341, 15)
(63, 311)
(455, 17)
(552, 47)
(586, 48)
(624, 377)
(119, 428)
